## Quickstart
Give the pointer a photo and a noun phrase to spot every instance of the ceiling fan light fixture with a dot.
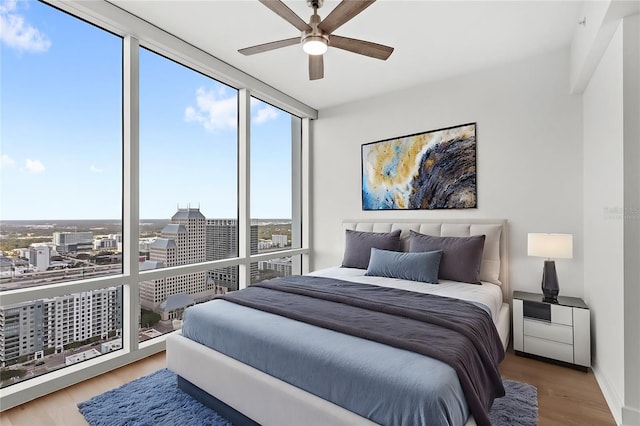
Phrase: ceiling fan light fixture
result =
(317, 35)
(314, 45)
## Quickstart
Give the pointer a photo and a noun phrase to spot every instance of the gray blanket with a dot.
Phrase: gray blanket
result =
(453, 331)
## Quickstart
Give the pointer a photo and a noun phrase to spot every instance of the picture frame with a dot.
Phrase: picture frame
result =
(430, 170)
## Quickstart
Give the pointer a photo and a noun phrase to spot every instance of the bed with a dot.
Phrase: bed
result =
(239, 388)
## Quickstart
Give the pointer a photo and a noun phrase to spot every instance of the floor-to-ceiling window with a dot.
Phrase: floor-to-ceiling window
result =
(188, 188)
(275, 191)
(125, 190)
(61, 205)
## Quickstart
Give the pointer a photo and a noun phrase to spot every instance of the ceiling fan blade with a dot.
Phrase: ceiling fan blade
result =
(342, 13)
(269, 46)
(287, 14)
(362, 47)
(316, 67)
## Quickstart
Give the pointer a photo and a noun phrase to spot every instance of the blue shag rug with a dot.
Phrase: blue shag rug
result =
(156, 400)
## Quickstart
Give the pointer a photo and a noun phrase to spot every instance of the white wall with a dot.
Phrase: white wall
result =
(631, 83)
(611, 104)
(603, 219)
(529, 150)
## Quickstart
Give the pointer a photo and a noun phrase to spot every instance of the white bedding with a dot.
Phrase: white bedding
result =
(487, 294)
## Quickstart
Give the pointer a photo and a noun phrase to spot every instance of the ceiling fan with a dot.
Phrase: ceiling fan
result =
(318, 35)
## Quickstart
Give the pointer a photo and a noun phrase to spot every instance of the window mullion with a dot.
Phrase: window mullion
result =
(244, 191)
(305, 178)
(296, 190)
(131, 192)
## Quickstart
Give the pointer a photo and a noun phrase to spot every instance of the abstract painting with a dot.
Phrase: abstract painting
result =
(430, 170)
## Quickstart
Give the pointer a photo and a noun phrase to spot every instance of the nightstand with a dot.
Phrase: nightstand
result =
(559, 331)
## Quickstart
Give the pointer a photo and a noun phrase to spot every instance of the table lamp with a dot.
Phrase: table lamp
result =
(550, 246)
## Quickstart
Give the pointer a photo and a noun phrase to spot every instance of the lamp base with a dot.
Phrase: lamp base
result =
(550, 287)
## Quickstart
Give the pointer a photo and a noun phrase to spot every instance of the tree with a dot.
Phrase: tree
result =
(148, 318)
(6, 374)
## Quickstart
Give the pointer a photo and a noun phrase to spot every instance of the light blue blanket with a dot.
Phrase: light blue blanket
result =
(387, 385)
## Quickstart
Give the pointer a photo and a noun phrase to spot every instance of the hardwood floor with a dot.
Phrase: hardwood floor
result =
(59, 408)
(565, 397)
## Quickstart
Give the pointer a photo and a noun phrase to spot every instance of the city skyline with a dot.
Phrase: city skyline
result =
(142, 219)
(61, 149)
(48, 332)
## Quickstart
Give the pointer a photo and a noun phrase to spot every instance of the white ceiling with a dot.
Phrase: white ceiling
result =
(433, 40)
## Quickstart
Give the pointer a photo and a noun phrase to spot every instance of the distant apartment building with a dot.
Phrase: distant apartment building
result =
(280, 240)
(181, 242)
(144, 247)
(66, 242)
(6, 266)
(109, 242)
(29, 329)
(265, 245)
(39, 257)
(105, 244)
(118, 239)
(222, 243)
(282, 266)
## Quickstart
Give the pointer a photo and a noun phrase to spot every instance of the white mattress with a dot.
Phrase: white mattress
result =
(488, 294)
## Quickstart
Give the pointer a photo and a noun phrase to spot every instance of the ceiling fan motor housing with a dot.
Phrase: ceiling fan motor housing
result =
(315, 33)
(316, 4)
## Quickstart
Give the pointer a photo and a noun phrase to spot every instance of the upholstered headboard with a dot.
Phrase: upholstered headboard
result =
(495, 259)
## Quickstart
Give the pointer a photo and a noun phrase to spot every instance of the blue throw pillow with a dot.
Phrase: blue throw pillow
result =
(421, 266)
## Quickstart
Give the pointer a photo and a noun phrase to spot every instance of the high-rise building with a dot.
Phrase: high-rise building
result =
(181, 242)
(30, 329)
(66, 242)
(118, 238)
(105, 243)
(39, 257)
(280, 240)
(282, 266)
(221, 238)
(222, 243)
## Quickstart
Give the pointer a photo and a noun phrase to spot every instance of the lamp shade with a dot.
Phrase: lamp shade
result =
(551, 246)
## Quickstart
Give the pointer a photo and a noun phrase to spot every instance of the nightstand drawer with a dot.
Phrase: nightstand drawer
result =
(561, 315)
(548, 348)
(549, 331)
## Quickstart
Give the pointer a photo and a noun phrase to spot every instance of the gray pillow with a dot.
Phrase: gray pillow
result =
(407, 266)
(461, 257)
(358, 245)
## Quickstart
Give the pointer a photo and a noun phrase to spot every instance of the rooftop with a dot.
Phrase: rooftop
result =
(177, 301)
(148, 265)
(174, 228)
(188, 213)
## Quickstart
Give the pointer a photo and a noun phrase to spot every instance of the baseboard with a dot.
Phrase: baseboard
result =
(610, 395)
(630, 416)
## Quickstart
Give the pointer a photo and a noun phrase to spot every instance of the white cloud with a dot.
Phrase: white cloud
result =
(33, 166)
(16, 33)
(95, 169)
(7, 6)
(263, 111)
(265, 114)
(214, 110)
(7, 161)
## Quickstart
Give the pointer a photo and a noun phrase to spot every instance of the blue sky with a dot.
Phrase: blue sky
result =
(61, 135)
